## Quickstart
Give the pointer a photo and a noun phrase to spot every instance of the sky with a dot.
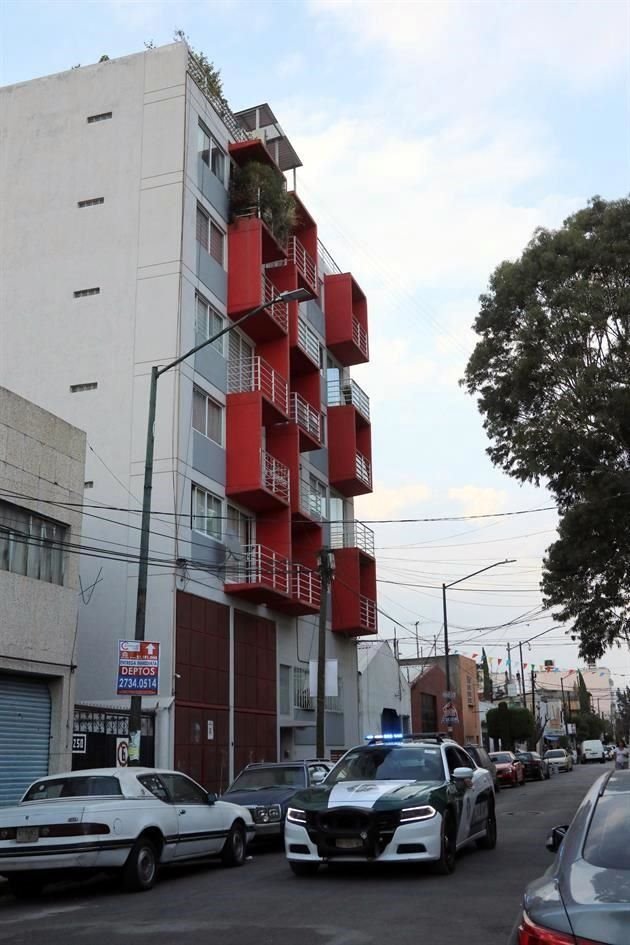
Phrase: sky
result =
(435, 137)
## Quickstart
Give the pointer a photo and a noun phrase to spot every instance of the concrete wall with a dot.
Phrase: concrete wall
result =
(382, 685)
(42, 463)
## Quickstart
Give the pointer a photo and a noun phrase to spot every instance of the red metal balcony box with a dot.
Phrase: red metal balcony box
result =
(250, 245)
(354, 593)
(346, 319)
(349, 452)
(259, 574)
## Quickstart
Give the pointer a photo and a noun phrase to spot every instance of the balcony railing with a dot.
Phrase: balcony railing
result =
(363, 469)
(348, 393)
(360, 338)
(308, 341)
(260, 565)
(199, 77)
(306, 417)
(352, 535)
(306, 585)
(279, 312)
(328, 264)
(254, 374)
(303, 261)
(275, 476)
(312, 503)
(302, 698)
(367, 613)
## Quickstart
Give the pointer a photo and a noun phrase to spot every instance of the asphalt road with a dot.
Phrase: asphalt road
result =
(264, 904)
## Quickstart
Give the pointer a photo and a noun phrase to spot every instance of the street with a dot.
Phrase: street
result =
(264, 904)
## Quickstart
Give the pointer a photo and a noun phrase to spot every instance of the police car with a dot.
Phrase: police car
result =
(413, 799)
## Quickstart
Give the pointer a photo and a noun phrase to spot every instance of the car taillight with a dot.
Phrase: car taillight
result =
(72, 830)
(529, 933)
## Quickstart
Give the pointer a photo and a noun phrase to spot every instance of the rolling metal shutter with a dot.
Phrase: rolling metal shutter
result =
(24, 734)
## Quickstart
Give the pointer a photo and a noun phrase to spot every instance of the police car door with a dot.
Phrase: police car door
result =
(480, 794)
(467, 792)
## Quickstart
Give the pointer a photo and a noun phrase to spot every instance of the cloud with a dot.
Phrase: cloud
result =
(388, 502)
(478, 500)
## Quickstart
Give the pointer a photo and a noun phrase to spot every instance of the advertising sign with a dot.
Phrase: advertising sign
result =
(138, 667)
(450, 715)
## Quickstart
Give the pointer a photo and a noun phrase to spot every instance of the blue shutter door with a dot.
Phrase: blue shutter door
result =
(24, 734)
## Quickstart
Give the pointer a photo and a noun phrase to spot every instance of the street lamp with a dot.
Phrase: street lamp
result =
(135, 715)
(449, 726)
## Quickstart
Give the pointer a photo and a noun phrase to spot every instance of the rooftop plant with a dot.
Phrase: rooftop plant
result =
(257, 187)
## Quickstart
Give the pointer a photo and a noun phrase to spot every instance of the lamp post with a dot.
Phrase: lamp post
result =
(445, 587)
(326, 571)
(135, 715)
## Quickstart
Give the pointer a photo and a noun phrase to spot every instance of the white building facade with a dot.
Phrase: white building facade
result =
(104, 191)
(41, 490)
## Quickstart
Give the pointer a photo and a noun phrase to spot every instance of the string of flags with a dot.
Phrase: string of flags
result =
(498, 660)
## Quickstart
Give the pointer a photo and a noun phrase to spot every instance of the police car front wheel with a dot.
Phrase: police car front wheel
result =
(446, 863)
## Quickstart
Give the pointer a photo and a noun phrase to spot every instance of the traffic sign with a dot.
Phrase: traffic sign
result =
(79, 743)
(138, 667)
(450, 715)
(122, 752)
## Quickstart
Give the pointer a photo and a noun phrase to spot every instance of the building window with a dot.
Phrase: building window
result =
(210, 153)
(102, 116)
(207, 416)
(88, 484)
(470, 693)
(428, 712)
(30, 545)
(240, 526)
(207, 513)
(302, 698)
(208, 322)
(81, 293)
(77, 388)
(92, 202)
(217, 243)
(203, 224)
(318, 497)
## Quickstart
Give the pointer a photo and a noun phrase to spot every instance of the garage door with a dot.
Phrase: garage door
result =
(24, 734)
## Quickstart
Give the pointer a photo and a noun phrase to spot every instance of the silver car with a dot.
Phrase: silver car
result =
(585, 895)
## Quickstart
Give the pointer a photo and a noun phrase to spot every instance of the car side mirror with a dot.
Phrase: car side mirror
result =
(212, 797)
(556, 837)
(463, 774)
(318, 777)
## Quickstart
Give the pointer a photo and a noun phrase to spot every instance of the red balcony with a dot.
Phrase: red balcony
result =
(305, 265)
(308, 420)
(255, 375)
(352, 535)
(354, 593)
(305, 345)
(251, 246)
(349, 451)
(273, 321)
(304, 592)
(347, 393)
(262, 483)
(346, 319)
(259, 575)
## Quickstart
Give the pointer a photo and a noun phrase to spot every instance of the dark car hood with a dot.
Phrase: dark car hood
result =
(597, 901)
(279, 794)
(381, 795)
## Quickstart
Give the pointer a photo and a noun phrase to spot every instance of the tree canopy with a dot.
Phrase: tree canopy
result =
(552, 374)
(510, 724)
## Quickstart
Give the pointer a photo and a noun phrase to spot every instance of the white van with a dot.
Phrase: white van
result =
(592, 750)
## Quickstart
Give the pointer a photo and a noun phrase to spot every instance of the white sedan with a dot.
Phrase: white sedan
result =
(129, 820)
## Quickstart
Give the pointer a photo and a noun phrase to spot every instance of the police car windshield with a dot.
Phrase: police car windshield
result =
(387, 763)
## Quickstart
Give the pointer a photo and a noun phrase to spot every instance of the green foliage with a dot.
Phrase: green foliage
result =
(622, 722)
(487, 678)
(590, 725)
(584, 696)
(259, 186)
(552, 374)
(510, 724)
(104, 58)
(206, 74)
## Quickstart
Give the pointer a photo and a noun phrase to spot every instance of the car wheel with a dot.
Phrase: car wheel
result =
(489, 842)
(446, 862)
(497, 787)
(541, 775)
(26, 885)
(233, 852)
(140, 870)
(301, 868)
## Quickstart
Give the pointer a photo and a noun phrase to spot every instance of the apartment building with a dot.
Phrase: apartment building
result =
(41, 488)
(122, 248)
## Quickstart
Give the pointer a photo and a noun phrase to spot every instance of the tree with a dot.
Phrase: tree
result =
(552, 374)
(622, 724)
(510, 724)
(260, 187)
(584, 696)
(487, 678)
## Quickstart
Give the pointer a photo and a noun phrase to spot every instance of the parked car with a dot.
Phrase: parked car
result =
(592, 750)
(536, 768)
(127, 820)
(265, 789)
(583, 897)
(559, 758)
(416, 800)
(483, 760)
(609, 752)
(509, 769)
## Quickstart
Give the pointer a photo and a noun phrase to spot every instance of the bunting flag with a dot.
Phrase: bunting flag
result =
(500, 660)
(491, 659)
(474, 656)
(525, 665)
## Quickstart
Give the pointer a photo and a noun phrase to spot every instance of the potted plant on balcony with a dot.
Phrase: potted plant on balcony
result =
(258, 188)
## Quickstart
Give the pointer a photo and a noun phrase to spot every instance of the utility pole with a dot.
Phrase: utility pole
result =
(520, 648)
(135, 713)
(533, 693)
(509, 664)
(564, 708)
(326, 572)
